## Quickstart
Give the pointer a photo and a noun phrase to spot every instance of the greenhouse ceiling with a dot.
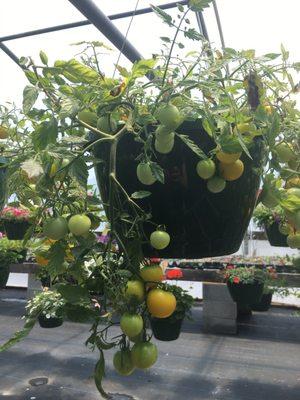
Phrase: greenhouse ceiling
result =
(248, 24)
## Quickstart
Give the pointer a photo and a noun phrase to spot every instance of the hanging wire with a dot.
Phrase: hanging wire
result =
(126, 35)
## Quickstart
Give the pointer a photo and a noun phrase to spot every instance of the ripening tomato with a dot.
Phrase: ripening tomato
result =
(233, 171)
(123, 362)
(144, 355)
(131, 324)
(55, 228)
(79, 224)
(228, 158)
(159, 239)
(152, 274)
(160, 303)
(135, 291)
(4, 132)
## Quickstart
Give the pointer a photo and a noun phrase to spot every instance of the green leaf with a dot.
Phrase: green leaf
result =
(191, 33)
(44, 134)
(199, 5)
(99, 374)
(142, 67)
(69, 107)
(157, 171)
(56, 259)
(30, 75)
(285, 54)
(229, 143)
(30, 95)
(163, 15)
(73, 294)
(141, 194)
(123, 71)
(165, 39)
(29, 324)
(43, 57)
(186, 140)
(76, 72)
(79, 170)
(271, 56)
(208, 126)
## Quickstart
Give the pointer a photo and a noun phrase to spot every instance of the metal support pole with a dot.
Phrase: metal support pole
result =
(202, 25)
(89, 9)
(11, 55)
(77, 24)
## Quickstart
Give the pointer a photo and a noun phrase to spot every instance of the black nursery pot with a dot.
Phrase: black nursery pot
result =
(245, 294)
(49, 322)
(4, 274)
(264, 304)
(200, 223)
(16, 230)
(275, 237)
(165, 329)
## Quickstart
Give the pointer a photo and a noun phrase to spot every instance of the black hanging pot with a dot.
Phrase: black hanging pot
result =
(200, 223)
(264, 304)
(245, 294)
(166, 329)
(16, 230)
(275, 237)
(3, 181)
(52, 322)
(4, 274)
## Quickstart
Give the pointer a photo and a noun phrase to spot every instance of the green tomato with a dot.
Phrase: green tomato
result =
(55, 228)
(144, 174)
(159, 239)
(285, 152)
(216, 184)
(79, 224)
(135, 291)
(284, 228)
(123, 362)
(294, 192)
(88, 117)
(106, 124)
(144, 355)
(164, 147)
(169, 116)
(293, 241)
(131, 324)
(206, 168)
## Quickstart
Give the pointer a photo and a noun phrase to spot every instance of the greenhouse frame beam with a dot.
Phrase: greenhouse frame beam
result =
(78, 24)
(10, 54)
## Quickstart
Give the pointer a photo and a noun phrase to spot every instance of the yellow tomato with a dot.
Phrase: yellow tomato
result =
(233, 171)
(161, 304)
(228, 158)
(152, 274)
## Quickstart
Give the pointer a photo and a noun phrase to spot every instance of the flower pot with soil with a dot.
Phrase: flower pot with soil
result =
(16, 222)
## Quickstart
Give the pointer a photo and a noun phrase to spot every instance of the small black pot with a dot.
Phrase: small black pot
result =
(4, 274)
(246, 294)
(264, 304)
(275, 237)
(16, 230)
(49, 322)
(166, 329)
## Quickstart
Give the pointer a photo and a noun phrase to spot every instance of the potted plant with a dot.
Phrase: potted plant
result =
(245, 284)
(16, 221)
(14, 246)
(168, 329)
(7, 257)
(47, 307)
(178, 160)
(274, 223)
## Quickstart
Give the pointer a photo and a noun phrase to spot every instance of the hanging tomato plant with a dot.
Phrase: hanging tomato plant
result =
(178, 159)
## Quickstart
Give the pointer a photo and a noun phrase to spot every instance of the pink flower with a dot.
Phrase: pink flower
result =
(236, 279)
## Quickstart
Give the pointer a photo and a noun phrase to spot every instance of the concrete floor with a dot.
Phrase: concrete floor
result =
(261, 363)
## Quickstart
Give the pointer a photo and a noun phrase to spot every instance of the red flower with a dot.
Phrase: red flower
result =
(174, 274)
(230, 266)
(236, 279)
